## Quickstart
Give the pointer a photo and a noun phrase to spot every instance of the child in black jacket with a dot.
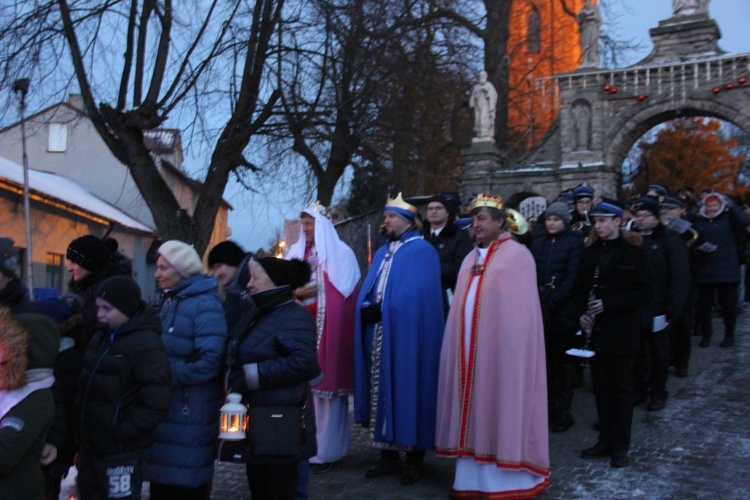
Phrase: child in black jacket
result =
(124, 392)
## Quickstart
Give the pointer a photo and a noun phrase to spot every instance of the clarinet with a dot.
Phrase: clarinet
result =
(592, 297)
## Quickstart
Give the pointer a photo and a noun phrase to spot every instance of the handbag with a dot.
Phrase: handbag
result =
(276, 431)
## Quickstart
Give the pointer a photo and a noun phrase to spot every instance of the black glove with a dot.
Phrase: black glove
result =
(372, 313)
(237, 381)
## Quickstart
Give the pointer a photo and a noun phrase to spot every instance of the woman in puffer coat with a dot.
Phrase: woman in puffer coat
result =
(272, 354)
(557, 252)
(180, 462)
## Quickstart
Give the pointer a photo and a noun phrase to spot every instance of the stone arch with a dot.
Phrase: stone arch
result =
(623, 133)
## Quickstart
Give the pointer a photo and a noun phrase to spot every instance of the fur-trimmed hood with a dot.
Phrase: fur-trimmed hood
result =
(632, 237)
(14, 343)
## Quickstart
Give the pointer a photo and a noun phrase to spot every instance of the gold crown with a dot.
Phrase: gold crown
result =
(317, 207)
(398, 202)
(487, 200)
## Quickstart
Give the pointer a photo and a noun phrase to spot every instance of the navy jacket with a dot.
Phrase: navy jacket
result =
(281, 338)
(723, 264)
(624, 286)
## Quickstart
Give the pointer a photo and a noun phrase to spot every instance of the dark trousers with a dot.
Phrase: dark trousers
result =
(561, 370)
(681, 332)
(161, 491)
(727, 300)
(652, 366)
(110, 476)
(272, 481)
(613, 377)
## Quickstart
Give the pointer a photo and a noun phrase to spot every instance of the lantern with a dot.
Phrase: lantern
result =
(233, 418)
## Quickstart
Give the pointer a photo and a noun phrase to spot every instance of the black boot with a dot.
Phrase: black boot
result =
(563, 422)
(705, 342)
(727, 342)
(389, 463)
(413, 472)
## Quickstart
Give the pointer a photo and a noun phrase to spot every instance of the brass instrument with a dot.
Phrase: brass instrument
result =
(578, 226)
(516, 222)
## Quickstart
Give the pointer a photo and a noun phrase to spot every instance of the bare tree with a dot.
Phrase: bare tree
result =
(137, 61)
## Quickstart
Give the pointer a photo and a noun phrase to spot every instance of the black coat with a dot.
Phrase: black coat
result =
(453, 245)
(624, 286)
(670, 265)
(125, 386)
(280, 337)
(558, 257)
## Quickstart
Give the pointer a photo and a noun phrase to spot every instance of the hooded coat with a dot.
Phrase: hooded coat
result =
(26, 406)
(194, 332)
(124, 390)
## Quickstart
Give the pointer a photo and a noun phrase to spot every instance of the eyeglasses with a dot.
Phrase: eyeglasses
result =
(435, 209)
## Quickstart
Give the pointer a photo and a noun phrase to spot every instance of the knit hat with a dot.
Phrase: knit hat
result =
(182, 257)
(559, 209)
(122, 292)
(448, 201)
(44, 343)
(647, 202)
(226, 252)
(607, 208)
(8, 257)
(294, 273)
(89, 252)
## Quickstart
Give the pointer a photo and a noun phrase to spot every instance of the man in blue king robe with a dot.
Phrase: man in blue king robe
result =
(399, 331)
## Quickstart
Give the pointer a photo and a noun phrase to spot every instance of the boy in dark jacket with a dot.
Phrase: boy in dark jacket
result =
(124, 392)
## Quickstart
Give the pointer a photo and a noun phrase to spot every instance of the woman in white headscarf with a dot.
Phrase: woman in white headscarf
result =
(330, 296)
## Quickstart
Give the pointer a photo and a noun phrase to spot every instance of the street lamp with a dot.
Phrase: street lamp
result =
(22, 86)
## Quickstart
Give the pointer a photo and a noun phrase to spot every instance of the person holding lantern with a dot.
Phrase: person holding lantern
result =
(272, 358)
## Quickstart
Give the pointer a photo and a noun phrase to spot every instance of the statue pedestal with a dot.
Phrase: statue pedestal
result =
(683, 36)
(482, 160)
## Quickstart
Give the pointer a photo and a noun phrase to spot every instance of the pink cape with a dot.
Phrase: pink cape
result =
(503, 416)
(336, 348)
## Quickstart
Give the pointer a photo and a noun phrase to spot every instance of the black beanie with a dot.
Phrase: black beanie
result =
(294, 273)
(122, 292)
(226, 252)
(89, 252)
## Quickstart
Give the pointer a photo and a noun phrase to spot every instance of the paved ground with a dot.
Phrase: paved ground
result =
(697, 447)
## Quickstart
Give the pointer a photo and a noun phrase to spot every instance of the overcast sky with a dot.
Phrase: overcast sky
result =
(257, 217)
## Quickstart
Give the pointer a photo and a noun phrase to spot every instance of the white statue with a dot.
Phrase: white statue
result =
(688, 7)
(589, 25)
(484, 102)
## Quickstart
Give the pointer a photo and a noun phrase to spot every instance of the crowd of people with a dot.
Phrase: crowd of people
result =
(447, 344)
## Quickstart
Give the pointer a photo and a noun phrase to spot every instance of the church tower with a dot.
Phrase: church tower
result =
(544, 41)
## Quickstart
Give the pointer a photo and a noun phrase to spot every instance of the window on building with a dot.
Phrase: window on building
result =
(55, 271)
(533, 32)
(58, 138)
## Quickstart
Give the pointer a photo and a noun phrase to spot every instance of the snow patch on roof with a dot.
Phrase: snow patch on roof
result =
(67, 191)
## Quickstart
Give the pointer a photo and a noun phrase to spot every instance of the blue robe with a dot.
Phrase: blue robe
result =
(413, 325)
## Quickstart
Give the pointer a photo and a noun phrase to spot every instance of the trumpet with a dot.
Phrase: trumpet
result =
(516, 222)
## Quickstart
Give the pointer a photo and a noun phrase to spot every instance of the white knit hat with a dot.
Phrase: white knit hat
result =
(182, 257)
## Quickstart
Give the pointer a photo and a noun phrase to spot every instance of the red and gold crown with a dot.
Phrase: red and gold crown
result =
(487, 200)
(398, 202)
